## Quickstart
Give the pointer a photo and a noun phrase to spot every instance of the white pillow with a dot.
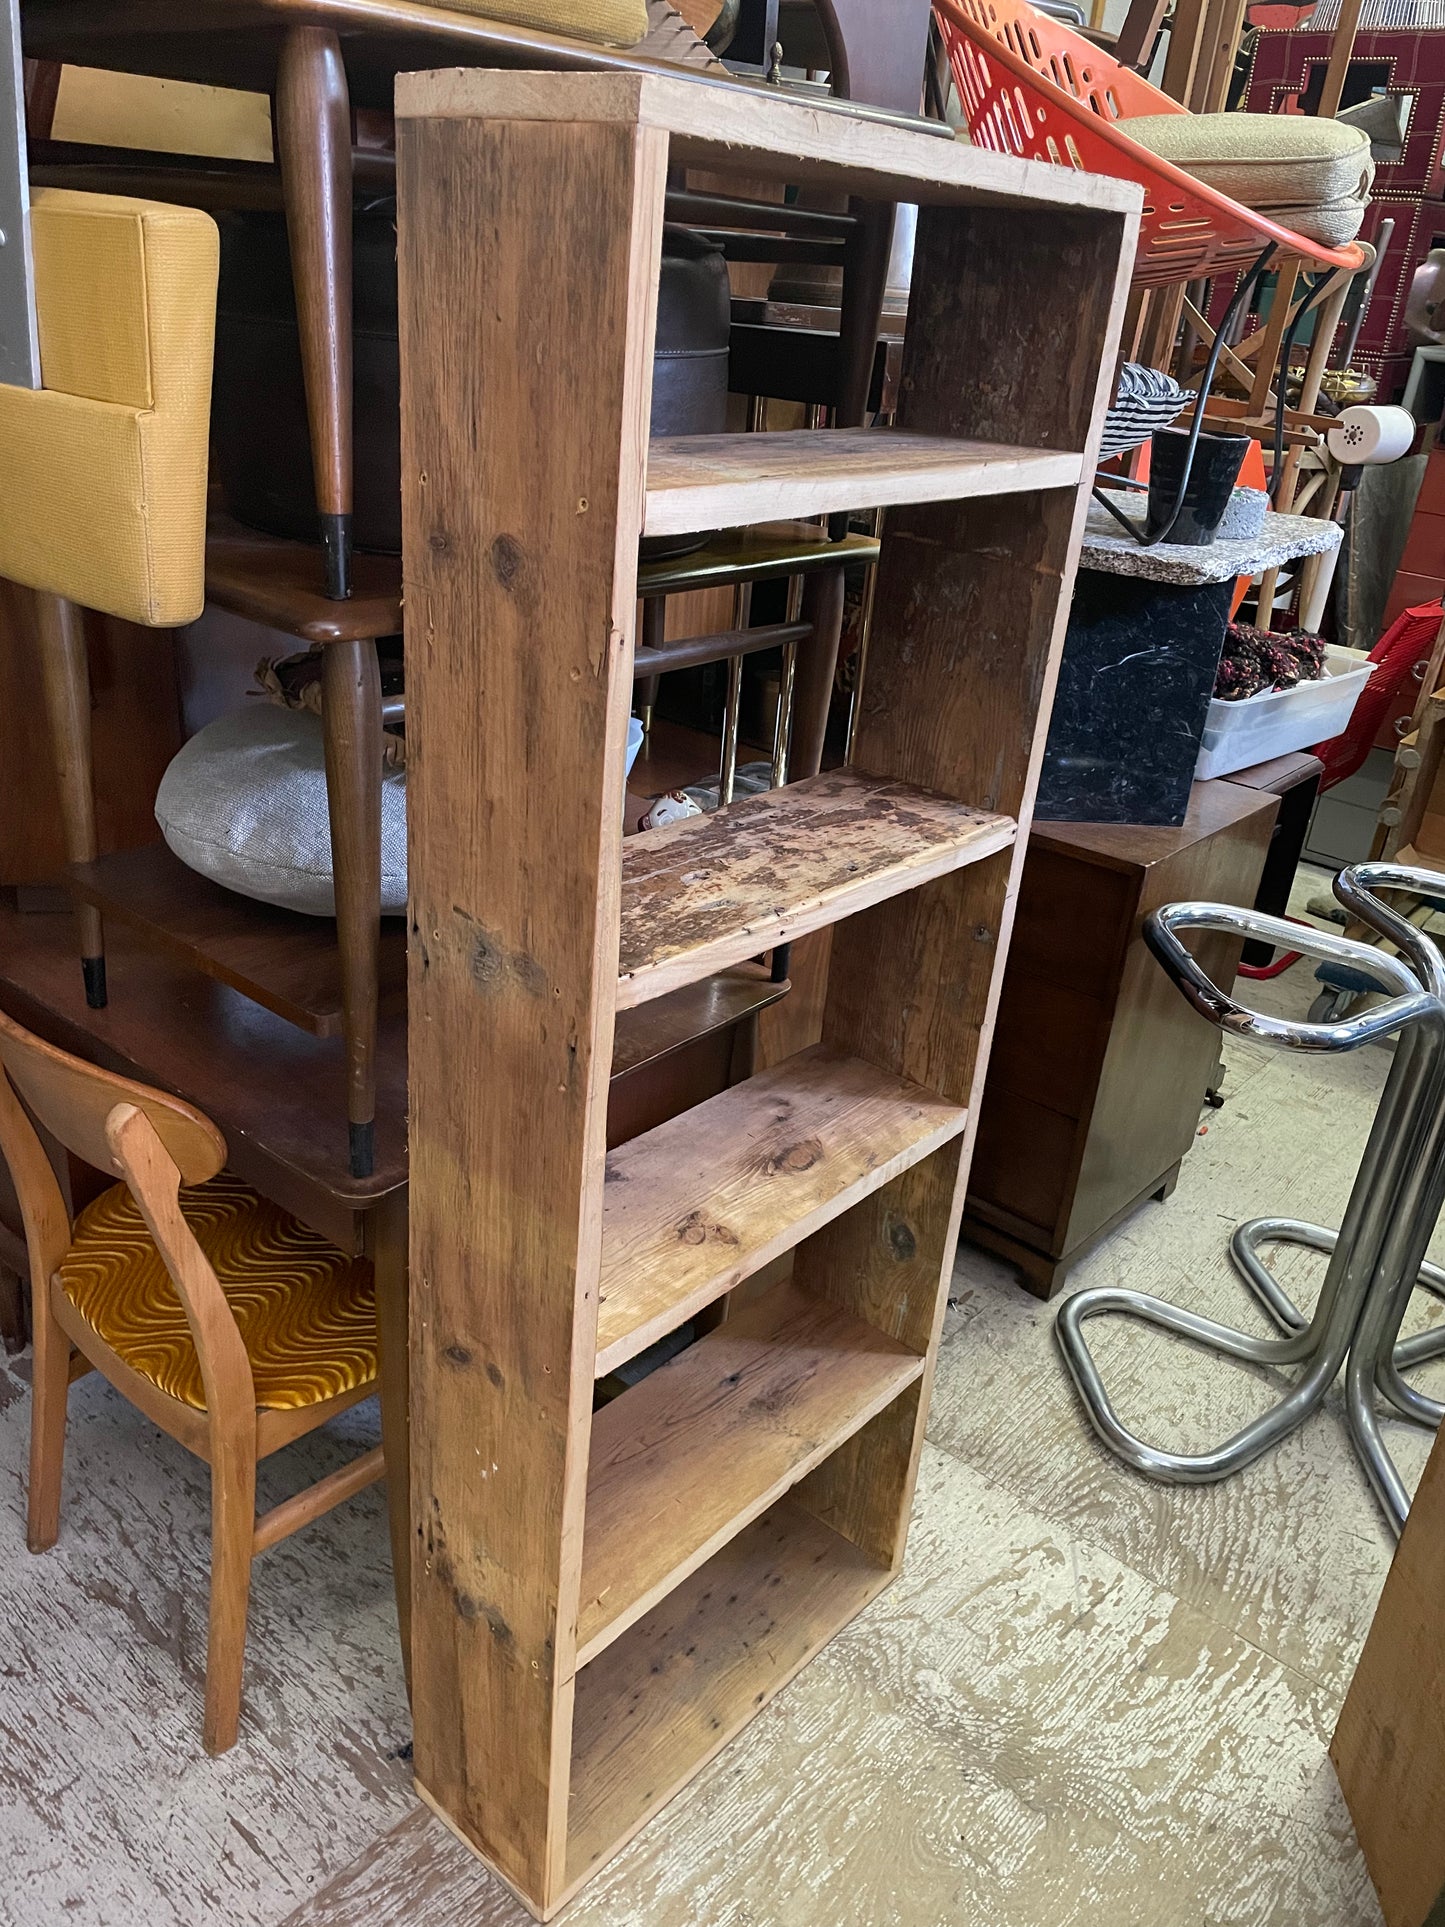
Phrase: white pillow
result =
(244, 802)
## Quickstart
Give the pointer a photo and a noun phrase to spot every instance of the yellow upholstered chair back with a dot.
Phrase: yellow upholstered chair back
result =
(103, 468)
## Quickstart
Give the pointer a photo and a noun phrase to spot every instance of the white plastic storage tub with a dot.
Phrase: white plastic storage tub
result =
(1240, 734)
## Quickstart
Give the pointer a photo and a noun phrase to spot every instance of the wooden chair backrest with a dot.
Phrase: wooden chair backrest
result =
(73, 1099)
(155, 1143)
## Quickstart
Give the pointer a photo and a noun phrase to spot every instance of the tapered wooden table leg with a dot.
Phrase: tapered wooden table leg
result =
(65, 676)
(313, 144)
(654, 634)
(865, 280)
(351, 724)
(817, 664)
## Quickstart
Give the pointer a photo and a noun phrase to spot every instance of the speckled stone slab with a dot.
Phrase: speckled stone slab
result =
(1283, 538)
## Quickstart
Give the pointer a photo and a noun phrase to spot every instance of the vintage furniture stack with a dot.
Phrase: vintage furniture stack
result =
(601, 1601)
(328, 70)
(280, 1027)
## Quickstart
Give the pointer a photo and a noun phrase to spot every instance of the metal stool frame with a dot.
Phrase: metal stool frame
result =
(1376, 1258)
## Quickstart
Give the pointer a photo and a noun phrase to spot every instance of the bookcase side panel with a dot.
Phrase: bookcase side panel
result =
(528, 260)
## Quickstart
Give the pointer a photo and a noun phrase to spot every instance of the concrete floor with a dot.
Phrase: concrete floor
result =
(1089, 1701)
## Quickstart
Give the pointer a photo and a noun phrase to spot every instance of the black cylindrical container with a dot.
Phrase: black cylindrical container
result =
(1212, 476)
(258, 410)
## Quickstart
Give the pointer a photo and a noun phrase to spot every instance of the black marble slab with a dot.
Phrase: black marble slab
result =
(1138, 671)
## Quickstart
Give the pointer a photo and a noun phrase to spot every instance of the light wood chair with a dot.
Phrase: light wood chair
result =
(218, 1315)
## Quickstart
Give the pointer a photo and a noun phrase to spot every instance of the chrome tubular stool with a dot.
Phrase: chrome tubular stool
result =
(1376, 1258)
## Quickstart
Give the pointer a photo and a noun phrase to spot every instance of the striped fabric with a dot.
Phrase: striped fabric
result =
(306, 1310)
(1413, 16)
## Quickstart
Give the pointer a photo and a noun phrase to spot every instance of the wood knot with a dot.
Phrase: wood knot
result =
(901, 1241)
(487, 963)
(508, 558)
(793, 1158)
(695, 1229)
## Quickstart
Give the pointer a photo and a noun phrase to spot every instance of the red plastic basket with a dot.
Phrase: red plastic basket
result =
(1033, 87)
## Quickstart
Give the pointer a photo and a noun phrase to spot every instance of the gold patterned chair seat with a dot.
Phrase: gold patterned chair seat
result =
(306, 1310)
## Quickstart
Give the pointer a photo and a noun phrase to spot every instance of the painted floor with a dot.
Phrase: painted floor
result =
(1089, 1701)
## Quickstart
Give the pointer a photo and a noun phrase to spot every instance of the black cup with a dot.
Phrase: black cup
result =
(1212, 476)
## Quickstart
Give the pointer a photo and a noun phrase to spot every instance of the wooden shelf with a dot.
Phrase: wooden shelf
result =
(678, 1685)
(280, 959)
(713, 890)
(758, 133)
(277, 1092)
(692, 1208)
(680, 1463)
(655, 1031)
(282, 584)
(279, 583)
(719, 481)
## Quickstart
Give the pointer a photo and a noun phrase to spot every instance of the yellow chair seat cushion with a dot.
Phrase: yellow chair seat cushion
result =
(306, 1310)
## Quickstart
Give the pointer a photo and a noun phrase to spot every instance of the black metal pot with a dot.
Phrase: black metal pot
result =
(258, 411)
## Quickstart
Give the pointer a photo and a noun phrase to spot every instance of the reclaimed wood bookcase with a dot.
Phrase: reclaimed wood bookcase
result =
(602, 1600)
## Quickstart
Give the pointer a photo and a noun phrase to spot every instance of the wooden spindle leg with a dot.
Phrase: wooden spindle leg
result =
(654, 634)
(351, 724)
(817, 662)
(65, 677)
(865, 281)
(313, 144)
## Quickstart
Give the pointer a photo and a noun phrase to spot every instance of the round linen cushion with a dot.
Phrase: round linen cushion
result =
(244, 803)
(1307, 174)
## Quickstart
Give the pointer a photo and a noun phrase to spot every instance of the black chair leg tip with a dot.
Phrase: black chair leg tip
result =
(336, 555)
(363, 1149)
(93, 970)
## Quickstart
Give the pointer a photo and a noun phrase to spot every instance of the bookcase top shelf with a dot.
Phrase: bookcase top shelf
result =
(764, 135)
(697, 482)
